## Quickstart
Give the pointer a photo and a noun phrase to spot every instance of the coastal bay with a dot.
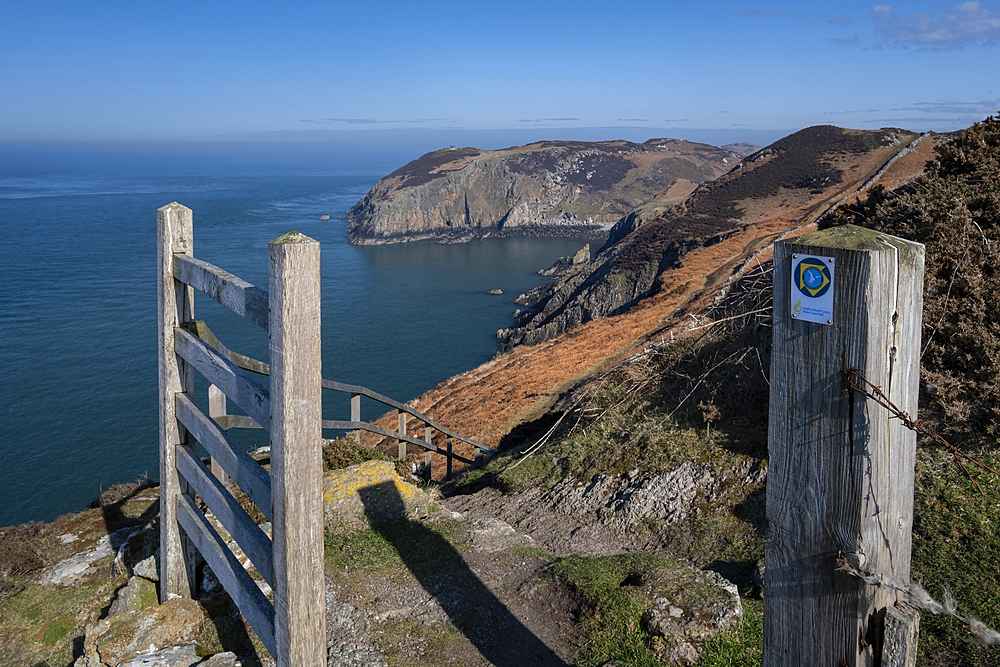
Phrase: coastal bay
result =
(77, 315)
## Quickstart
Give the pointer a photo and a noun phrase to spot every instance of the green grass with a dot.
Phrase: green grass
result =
(379, 549)
(739, 646)
(613, 620)
(956, 548)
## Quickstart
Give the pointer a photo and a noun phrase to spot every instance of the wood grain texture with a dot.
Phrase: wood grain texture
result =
(237, 383)
(175, 305)
(254, 541)
(240, 586)
(840, 471)
(296, 450)
(217, 411)
(245, 472)
(231, 291)
(899, 643)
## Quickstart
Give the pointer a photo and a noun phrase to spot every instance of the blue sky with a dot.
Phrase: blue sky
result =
(208, 71)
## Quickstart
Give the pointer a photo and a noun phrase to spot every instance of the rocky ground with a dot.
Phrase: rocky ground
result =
(477, 580)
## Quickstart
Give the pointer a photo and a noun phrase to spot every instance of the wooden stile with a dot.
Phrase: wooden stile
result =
(254, 542)
(840, 470)
(293, 629)
(234, 293)
(237, 383)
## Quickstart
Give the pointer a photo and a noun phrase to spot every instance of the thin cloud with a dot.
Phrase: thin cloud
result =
(822, 17)
(373, 121)
(845, 41)
(978, 109)
(676, 120)
(545, 120)
(955, 122)
(843, 113)
(633, 120)
(348, 121)
(958, 26)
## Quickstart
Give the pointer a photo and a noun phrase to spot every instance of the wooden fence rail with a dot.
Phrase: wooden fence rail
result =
(293, 626)
(355, 424)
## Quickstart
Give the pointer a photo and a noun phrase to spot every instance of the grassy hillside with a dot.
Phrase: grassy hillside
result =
(705, 397)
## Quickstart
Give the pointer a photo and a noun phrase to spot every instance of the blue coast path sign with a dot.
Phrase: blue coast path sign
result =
(812, 288)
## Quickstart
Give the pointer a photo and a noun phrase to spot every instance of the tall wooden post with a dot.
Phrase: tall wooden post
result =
(296, 450)
(840, 470)
(175, 305)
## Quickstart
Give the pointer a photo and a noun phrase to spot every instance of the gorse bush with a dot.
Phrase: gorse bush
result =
(954, 209)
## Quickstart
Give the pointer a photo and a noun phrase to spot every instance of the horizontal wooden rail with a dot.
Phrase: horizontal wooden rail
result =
(201, 330)
(362, 391)
(236, 421)
(254, 542)
(395, 435)
(246, 472)
(240, 586)
(231, 291)
(227, 376)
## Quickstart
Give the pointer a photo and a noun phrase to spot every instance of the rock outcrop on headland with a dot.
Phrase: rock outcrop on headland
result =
(549, 188)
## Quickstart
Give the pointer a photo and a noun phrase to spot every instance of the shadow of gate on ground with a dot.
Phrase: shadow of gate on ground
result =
(472, 607)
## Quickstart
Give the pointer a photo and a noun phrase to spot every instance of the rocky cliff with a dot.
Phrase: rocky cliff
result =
(797, 178)
(549, 188)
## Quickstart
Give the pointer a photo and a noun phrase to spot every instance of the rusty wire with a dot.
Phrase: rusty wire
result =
(858, 382)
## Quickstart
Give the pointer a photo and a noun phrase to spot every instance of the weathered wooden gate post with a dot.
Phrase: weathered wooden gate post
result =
(175, 306)
(840, 471)
(296, 450)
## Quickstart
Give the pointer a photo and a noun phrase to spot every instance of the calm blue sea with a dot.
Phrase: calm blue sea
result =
(78, 379)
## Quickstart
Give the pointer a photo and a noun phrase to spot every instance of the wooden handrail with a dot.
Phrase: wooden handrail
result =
(357, 389)
(378, 430)
(201, 330)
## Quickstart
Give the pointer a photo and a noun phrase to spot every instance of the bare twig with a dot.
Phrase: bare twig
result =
(705, 375)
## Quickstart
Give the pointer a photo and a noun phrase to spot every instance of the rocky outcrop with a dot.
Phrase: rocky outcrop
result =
(370, 493)
(687, 607)
(125, 636)
(550, 188)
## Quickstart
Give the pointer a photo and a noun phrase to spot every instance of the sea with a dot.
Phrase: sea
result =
(78, 363)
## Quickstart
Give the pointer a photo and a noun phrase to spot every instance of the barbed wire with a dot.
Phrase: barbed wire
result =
(858, 382)
(917, 597)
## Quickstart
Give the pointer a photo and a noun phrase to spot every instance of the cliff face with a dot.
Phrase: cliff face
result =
(796, 179)
(549, 188)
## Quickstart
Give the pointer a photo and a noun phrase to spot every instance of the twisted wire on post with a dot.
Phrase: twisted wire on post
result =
(858, 382)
